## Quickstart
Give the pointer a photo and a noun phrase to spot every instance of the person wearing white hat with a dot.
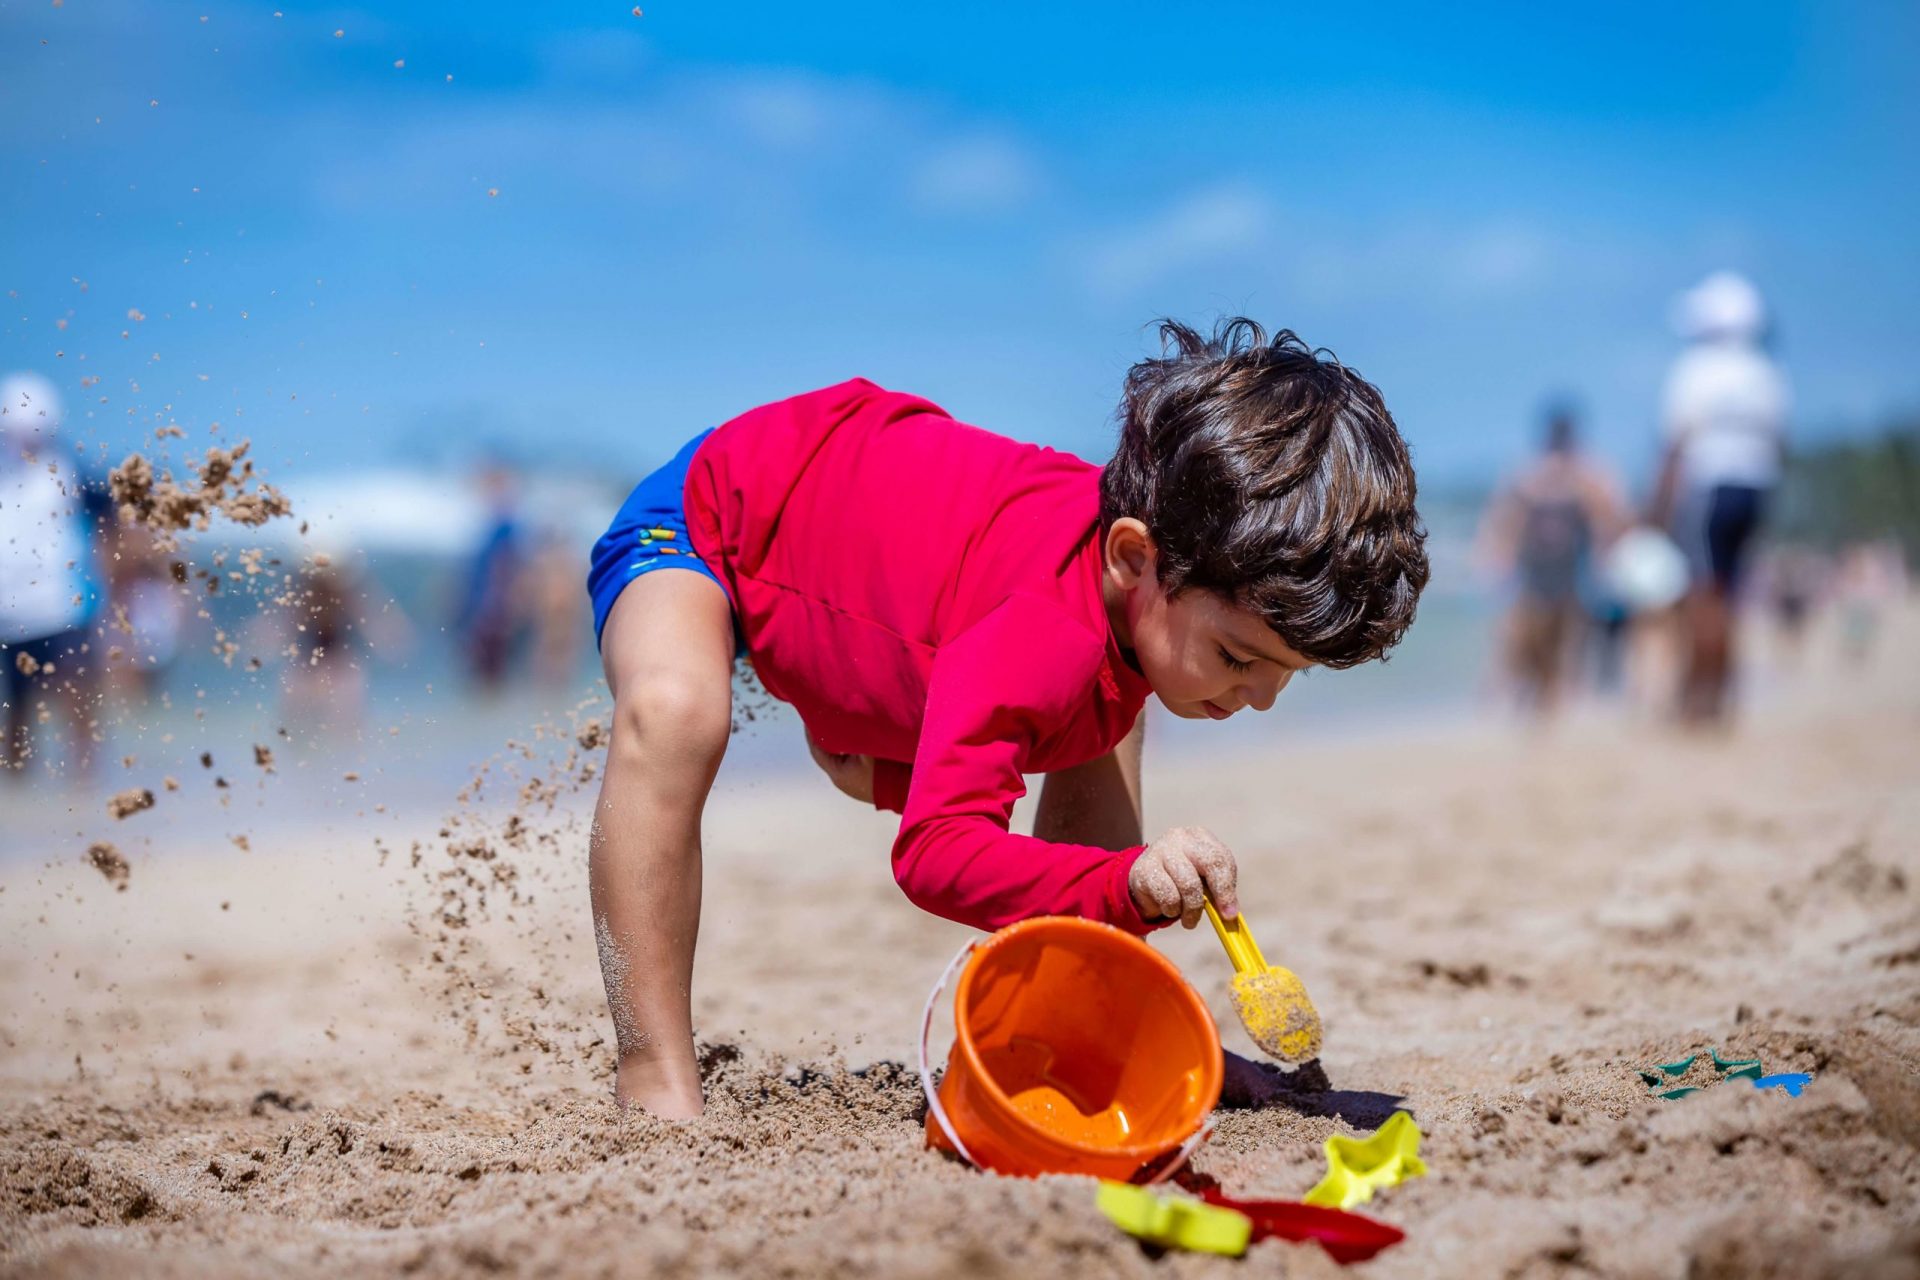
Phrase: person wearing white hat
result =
(1725, 416)
(50, 583)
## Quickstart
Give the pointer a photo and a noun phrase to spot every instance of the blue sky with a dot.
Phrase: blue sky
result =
(718, 204)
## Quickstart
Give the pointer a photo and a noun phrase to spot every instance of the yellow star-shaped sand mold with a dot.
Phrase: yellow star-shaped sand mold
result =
(1358, 1167)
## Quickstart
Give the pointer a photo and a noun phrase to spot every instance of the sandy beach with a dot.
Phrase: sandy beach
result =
(1524, 412)
(284, 1060)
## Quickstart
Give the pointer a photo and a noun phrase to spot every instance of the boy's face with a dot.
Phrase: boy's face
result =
(1205, 657)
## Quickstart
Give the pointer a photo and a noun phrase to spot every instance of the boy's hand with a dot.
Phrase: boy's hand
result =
(852, 774)
(1179, 871)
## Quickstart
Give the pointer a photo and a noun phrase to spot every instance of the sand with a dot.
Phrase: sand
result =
(124, 804)
(109, 862)
(165, 507)
(1277, 1012)
(289, 1062)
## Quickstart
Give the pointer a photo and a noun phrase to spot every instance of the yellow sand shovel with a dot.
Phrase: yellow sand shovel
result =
(1271, 1001)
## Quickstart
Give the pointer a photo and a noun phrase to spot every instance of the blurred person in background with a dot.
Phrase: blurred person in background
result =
(1725, 415)
(1794, 575)
(550, 599)
(337, 620)
(1872, 579)
(1543, 529)
(1610, 627)
(491, 611)
(143, 639)
(51, 578)
(1648, 575)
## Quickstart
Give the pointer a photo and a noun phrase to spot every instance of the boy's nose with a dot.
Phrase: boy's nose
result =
(1260, 697)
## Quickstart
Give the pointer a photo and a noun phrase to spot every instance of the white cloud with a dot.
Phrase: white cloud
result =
(712, 137)
(1424, 261)
(795, 112)
(983, 174)
(787, 114)
(454, 157)
(1214, 225)
(736, 141)
(1502, 258)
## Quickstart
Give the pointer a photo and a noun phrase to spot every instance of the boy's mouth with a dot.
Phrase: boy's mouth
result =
(1215, 710)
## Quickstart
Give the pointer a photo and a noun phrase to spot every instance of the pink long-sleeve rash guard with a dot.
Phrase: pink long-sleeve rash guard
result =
(929, 594)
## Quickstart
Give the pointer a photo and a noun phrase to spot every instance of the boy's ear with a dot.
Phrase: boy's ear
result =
(1129, 553)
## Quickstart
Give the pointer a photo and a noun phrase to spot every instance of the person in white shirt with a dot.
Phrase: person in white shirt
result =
(1725, 416)
(50, 580)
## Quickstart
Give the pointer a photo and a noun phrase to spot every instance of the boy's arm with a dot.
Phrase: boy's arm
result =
(1095, 803)
(1010, 680)
(1098, 802)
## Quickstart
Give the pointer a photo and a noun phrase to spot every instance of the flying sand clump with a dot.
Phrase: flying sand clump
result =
(111, 863)
(129, 802)
(225, 484)
(166, 508)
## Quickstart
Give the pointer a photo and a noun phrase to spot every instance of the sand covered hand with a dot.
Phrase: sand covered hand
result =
(1176, 874)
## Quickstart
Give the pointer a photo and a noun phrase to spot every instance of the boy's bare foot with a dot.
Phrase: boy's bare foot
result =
(669, 1091)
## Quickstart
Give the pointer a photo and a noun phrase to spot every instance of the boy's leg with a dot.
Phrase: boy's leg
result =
(1096, 803)
(668, 650)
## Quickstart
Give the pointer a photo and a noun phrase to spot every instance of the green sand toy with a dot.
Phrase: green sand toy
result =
(1174, 1221)
(1725, 1068)
(1357, 1167)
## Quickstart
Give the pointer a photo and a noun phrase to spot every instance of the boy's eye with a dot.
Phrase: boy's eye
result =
(1233, 662)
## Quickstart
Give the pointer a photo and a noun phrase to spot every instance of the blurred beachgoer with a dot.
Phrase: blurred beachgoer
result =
(50, 576)
(1609, 627)
(152, 613)
(1647, 575)
(1872, 578)
(1794, 577)
(490, 612)
(1725, 414)
(551, 598)
(1544, 528)
(337, 620)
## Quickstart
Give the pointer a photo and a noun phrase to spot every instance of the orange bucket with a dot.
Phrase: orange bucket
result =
(1077, 1049)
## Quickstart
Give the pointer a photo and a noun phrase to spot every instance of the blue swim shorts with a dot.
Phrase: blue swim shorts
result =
(649, 533)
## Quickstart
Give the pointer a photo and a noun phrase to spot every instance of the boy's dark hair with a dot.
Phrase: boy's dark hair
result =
(1276, 479)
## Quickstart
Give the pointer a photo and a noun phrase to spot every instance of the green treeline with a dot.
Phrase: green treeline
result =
(1851, 490)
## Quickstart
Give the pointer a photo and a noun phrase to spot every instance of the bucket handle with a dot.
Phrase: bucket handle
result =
(939, 1113)
(1184, 1154)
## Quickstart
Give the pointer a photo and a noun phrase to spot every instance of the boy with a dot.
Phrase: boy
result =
(948, 609)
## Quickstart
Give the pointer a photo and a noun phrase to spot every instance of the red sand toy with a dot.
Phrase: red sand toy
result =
(1348, 1237)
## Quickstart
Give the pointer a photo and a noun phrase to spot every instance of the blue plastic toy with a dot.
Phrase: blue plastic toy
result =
(1792, 1081)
